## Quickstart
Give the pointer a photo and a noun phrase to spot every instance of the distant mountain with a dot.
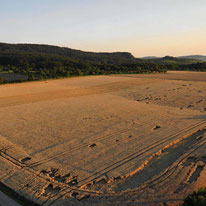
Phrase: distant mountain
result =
(150, 57)
(198, 57)
(190, 57)
(168, 60)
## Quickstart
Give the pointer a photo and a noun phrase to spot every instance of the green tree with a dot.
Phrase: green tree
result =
(196, 198)
(1, 80)
(31, 77)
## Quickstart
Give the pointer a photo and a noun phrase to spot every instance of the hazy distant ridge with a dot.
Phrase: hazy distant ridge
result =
(197, 57)
(150, 57)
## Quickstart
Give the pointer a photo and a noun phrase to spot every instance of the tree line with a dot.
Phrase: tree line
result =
(44, 62)
(199, 66)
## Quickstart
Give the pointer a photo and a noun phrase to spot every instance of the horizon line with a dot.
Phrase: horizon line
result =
(92, 51)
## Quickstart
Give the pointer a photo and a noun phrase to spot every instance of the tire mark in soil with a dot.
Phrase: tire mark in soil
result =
(125, 160)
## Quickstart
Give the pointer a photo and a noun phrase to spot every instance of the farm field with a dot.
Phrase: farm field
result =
(105, 140)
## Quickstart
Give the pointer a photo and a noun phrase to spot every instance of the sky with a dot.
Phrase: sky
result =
(142, 27)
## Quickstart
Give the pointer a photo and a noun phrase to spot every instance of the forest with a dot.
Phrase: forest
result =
(43, 62)
(38, 62)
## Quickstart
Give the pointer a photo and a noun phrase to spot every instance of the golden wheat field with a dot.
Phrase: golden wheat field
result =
(105, 140)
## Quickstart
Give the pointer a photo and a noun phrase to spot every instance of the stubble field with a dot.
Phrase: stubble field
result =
(105, 140)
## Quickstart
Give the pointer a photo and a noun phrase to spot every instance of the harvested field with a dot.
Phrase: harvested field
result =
(105, 140)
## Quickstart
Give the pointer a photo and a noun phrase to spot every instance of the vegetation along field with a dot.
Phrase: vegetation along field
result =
(123, 139)
(29, 62)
